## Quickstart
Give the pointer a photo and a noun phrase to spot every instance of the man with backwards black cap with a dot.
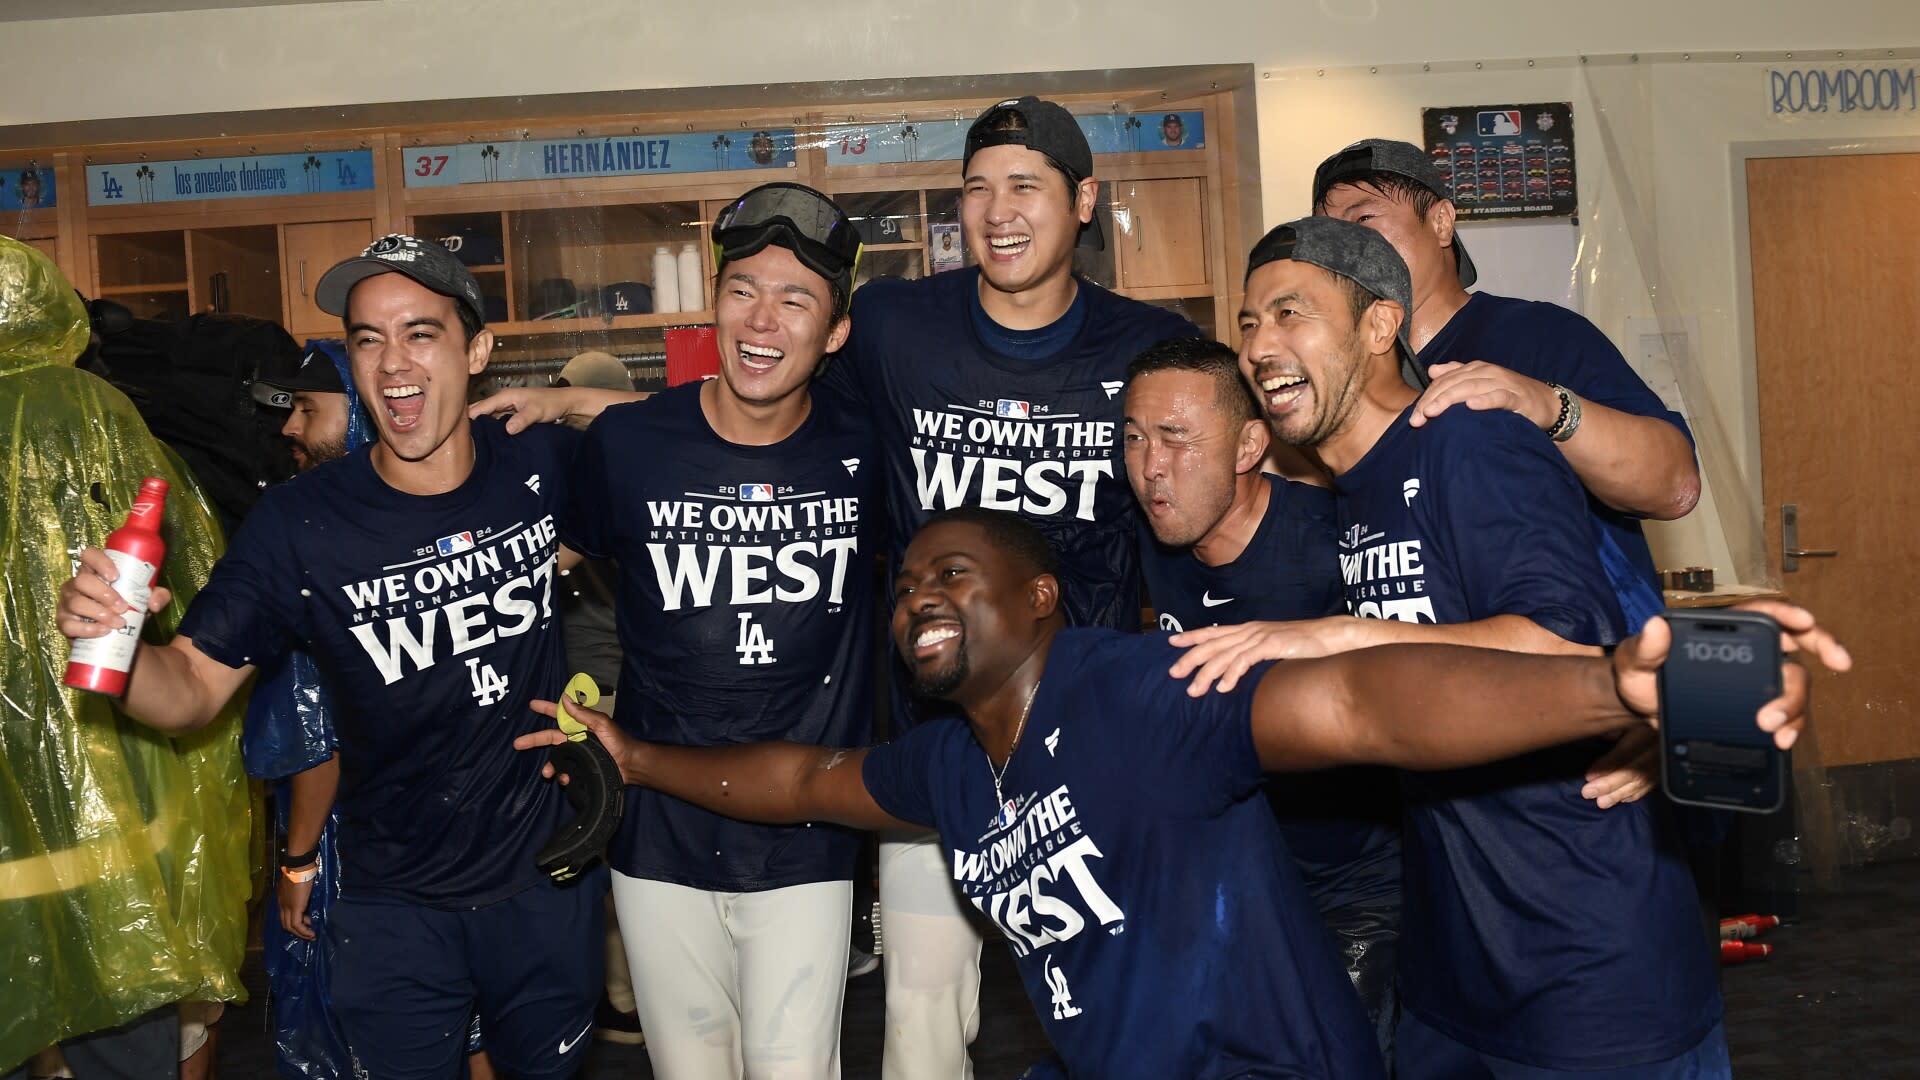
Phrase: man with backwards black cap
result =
(1541, 935)
(744, 544)
(995, 386)
(1549, 365)
(419, 572)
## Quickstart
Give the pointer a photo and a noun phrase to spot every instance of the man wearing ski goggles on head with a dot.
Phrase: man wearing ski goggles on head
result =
(744, 608)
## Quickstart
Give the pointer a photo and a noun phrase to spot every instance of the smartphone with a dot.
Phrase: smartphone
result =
(1723, 667)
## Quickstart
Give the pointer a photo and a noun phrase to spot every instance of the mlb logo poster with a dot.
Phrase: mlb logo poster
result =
(1013, 410)
(1505, 161)
(1499, 122)
(455, 544)
(756, 492)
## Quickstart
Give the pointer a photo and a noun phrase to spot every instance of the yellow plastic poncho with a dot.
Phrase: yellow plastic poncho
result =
(125, 855)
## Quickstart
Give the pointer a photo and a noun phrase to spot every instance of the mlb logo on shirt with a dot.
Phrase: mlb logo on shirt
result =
(1500, 122)
(1008, 811)
(1017, 410)
(756, 492)
(453, 545)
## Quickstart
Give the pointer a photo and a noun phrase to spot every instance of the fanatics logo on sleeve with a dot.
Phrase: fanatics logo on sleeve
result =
(1111, 388)
(455, 544)
(1013, 410)
(756, 493)
(1409, 489)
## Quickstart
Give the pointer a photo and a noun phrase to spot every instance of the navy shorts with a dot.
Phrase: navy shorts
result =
(408, 979)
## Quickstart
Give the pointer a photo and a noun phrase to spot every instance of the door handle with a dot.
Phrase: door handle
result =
(303, 277)
(1790, 550)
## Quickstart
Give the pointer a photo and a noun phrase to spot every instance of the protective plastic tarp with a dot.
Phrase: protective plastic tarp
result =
(289, 729)
(125, 862)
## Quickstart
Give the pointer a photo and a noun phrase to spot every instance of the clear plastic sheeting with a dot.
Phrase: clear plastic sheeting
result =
(124, 854)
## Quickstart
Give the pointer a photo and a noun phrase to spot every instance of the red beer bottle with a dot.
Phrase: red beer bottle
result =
(100, 664)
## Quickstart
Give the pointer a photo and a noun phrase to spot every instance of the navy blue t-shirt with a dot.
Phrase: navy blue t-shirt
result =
(1342, 825)
(1536, 926)
(1549, 343)
(745, 613)
(1154, 915)
(961, 424)
(432, 619)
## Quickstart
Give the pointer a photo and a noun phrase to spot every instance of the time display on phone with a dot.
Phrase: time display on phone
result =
(1717, 652)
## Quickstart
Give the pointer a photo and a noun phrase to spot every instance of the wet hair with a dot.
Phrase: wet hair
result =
(1007, 531)
(1400, 188)
(1202, 356)
(470, 323)
(837, 288)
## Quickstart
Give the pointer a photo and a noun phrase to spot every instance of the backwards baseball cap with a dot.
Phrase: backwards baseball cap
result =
(597, 370)
(1355, 252)
(1405, 160)
(426, 262)
(1048, 128)
(313, 371)
(797, 218)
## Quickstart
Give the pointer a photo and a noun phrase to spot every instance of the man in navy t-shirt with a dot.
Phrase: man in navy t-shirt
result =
(1540, 931)
(743, 512)
(1105, 818)
(997, 386)
(1224, 543)
(419, 575)
(1632, 453)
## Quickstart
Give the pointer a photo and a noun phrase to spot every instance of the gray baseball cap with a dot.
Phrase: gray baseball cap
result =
(426, 262)
(1353, 251)
(1370, 156)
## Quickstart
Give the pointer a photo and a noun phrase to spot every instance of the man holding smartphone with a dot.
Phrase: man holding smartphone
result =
(1542, 935)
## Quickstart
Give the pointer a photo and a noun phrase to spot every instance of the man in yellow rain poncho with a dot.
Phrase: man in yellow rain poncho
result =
(124, 854)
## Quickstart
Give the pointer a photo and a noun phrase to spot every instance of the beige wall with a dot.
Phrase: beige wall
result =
(404, 50)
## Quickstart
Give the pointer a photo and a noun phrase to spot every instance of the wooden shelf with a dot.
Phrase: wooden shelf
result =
(137, 290)
(909, 245)
(589, 326)
(488, 268)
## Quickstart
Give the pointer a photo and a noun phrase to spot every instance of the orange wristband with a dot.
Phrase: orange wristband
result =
(302, 875)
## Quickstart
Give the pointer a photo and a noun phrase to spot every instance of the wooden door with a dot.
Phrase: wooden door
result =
(1836, 318)
(1161, 243)
(308, 249)
(235, 270)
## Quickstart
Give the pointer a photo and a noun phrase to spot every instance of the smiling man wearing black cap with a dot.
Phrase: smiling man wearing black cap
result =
(1633, 454)
(320, 405)
(419, 573)
(997, 386)
(1540, 932)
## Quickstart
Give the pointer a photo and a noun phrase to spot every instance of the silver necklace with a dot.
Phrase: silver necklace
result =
(1019, 729)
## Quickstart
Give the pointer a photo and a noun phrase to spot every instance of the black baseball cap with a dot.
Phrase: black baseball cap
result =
(424, 261)
(795, 217)
(1369, 156)
(1048, 128)
(283, 375)
(1353, 251)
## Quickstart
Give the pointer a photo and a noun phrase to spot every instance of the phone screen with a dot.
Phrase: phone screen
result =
(1723, 667)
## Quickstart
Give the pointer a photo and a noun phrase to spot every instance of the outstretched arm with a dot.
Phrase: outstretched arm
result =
(776, 783)
(524, 406)
(1442, 707)
(172, 687)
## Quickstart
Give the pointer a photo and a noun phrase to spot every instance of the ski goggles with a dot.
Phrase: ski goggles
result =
(797, 218)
